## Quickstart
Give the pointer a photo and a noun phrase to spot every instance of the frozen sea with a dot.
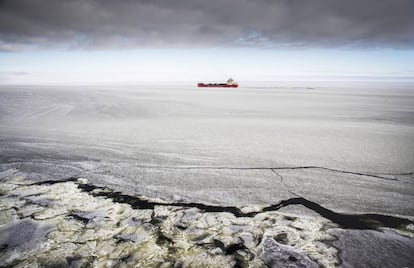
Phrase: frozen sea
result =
(276, 174)
(183, 143)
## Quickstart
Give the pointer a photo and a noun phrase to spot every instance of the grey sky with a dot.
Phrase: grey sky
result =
(194, 23)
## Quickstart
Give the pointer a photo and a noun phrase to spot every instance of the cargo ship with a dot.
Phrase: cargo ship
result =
(230, 83)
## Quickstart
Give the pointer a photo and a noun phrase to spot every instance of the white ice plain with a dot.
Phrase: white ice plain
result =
(348, 147)
(367, 128)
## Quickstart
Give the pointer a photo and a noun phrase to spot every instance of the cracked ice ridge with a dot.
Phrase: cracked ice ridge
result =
(86, 224)
(79, 226)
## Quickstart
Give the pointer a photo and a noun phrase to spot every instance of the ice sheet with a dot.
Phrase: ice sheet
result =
(129, 137)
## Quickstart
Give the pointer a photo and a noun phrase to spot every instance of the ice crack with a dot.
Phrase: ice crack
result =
(347, 221)
(367, 174)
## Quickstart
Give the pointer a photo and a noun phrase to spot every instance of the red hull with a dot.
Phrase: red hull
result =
(216, 85)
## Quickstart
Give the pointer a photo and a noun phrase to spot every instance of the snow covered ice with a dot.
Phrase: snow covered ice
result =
(348, 148)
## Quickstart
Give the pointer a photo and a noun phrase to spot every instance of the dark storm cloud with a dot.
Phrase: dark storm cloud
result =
(205, 23)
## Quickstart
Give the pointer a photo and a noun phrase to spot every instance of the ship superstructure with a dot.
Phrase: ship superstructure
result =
(230, 83)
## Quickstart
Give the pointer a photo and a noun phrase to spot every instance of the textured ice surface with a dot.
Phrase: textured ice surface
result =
(79, 229)
(374, 249)
(278, 255)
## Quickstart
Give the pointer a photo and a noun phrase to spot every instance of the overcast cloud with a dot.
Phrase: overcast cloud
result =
(82, 24)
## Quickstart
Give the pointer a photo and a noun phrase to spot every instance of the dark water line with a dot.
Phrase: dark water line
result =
(347, 221)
